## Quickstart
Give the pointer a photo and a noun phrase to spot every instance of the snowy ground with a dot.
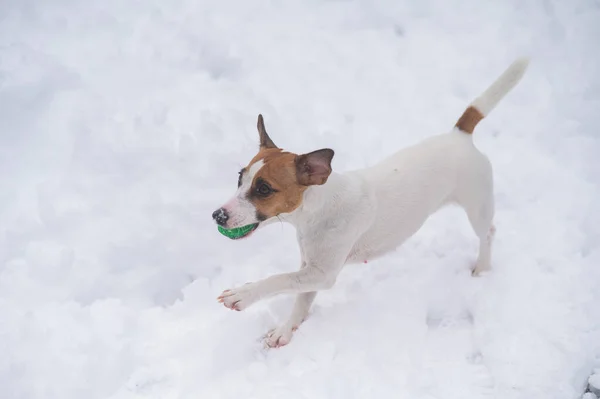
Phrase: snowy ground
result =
(122, 127)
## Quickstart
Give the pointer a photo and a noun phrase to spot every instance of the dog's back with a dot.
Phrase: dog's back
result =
(416, 181)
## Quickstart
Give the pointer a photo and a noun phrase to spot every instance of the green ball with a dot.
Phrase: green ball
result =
(237, 232)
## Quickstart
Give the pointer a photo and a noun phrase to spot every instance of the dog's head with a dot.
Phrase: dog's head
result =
(273, 183)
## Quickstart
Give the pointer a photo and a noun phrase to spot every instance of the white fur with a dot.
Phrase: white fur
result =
(240, 210)
(488, 100)
(363, 214)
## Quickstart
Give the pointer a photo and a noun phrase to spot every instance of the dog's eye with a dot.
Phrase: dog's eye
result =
(263, 189)
(239, 178)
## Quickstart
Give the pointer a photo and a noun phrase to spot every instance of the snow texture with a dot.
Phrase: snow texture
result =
(594, 382)
(123, 126)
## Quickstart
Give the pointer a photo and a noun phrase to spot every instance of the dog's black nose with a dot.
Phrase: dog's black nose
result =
(220, 216)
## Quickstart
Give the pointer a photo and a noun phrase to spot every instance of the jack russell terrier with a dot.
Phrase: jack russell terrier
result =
(362, 214)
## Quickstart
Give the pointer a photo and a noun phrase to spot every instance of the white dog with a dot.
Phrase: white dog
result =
(362, 214)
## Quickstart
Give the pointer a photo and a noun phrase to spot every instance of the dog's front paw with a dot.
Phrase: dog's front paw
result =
(279, 336)
(239, 298)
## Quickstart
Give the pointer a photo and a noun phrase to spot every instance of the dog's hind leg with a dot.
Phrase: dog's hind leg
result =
(481, 218)
(475, 193)
(485, 251)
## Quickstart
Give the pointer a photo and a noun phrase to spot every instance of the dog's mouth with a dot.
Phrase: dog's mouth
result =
(238, 232)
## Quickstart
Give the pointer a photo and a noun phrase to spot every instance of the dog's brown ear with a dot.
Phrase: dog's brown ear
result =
(265, 140)
(315, 167)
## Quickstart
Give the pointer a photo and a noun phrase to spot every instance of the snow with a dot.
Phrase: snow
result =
(594, 382)
(124, 125)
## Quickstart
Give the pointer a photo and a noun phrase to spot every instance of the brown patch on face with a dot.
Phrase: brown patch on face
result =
(278, 174)
(469, 119)
(278, 186)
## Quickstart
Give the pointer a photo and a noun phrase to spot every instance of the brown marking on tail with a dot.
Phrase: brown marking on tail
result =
(469, 119)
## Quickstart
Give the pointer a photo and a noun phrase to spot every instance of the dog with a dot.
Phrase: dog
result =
(352, 217)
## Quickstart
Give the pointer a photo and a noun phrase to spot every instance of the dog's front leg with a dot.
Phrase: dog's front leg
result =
(323, 257)
(282, 335)
(308, 279)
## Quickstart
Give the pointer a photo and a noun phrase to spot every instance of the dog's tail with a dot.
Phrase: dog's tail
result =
(487, 101)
